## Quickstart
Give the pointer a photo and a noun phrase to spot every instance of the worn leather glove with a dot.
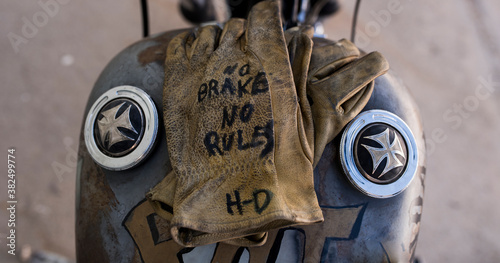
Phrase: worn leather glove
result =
(240, 151)
(340, 83)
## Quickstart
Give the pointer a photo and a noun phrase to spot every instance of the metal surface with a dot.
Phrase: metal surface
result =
(394, 173)
(116, 224)
(116, 149)
(301, 16)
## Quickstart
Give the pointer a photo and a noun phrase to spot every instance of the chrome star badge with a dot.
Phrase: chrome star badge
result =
(379, 154)
(121, 128)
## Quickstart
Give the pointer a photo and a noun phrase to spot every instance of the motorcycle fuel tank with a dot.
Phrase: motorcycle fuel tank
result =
(369, 181)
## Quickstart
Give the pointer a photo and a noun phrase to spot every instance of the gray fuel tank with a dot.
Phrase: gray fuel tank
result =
(114, 223)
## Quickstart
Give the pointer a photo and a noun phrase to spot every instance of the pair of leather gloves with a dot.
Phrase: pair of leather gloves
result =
(248, 111)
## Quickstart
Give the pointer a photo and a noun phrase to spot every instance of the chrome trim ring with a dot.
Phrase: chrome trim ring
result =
(148, 133)
(380, 152)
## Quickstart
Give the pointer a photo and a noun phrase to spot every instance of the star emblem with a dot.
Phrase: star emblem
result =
(388, 151)
(109, 124)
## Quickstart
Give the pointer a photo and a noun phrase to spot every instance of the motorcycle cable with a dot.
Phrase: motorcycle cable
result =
(145, 18)
(354, 20)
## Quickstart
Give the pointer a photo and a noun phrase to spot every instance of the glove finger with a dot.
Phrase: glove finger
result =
(355, 77)
(176, 49)
(232, 32)
(298, 30)
(326, 59)
(299, 48)
(203, 44)
(176, 60)
(264, 33)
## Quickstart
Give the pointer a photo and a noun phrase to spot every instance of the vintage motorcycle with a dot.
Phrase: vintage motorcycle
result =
(371, 196)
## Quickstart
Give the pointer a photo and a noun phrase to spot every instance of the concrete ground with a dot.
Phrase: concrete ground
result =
(447, 52)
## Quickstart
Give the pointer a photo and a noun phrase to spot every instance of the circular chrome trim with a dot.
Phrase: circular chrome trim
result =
(150, 130)
(347, 154)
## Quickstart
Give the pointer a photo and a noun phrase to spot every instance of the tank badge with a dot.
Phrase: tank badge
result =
(379, 154)
(121, 128)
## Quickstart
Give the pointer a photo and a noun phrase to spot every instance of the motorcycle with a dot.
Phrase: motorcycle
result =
(370, 193)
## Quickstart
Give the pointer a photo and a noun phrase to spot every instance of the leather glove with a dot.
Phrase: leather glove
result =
(340, 83)
(240, 152)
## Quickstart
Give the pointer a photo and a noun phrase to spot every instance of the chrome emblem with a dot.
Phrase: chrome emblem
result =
(115, 133)
(121, 128)
(109, 124)
(387, 152)
(379, 154)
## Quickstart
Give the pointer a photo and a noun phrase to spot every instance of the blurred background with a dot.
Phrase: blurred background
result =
(447, 52)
